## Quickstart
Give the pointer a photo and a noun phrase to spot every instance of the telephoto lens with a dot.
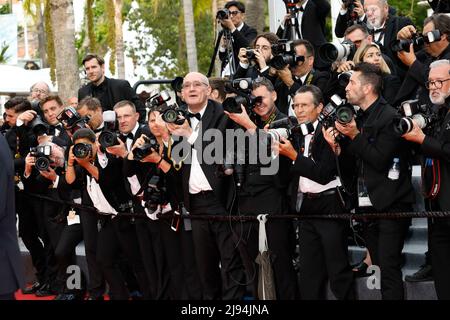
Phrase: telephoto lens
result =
(82, 150)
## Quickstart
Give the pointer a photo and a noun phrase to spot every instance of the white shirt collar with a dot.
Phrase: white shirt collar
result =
(202, 111)
(239, 28)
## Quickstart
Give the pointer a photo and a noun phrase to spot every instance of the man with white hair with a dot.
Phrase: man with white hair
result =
(435, 146)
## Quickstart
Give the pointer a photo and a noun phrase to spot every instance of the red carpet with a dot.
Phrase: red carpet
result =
(21, 296)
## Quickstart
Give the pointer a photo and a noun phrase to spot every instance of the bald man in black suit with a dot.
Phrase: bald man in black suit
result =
(10, 259)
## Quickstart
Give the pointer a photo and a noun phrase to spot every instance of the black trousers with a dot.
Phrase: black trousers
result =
(89, 227)
(153, 257)
(119, 235)
(439, 241)
(214, 245)
(324, 252)
(384, 240)
(180, 257)
(28, 211)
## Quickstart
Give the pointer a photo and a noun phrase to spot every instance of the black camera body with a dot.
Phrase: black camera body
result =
(291, 6)
(240, 84)
(344, 78)
(412, 111)
(151, 144)
(109, 135)
(250, 54)
(82, 150)
(42, 156)
(38, 126)
(156, 194)
(71, 119)
(284, 55)
(233, 104)
(169, 113)
(223, 14)
(337, 110)
(418, 41)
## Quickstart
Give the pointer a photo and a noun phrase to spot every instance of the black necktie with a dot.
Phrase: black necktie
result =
(194, 115)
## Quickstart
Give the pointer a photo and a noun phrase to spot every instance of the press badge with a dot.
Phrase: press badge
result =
(72, 218)
(363, 195)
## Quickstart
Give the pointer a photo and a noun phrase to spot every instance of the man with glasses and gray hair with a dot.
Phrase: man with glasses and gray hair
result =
(435, 146)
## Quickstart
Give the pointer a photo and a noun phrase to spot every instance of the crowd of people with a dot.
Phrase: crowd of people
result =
(160, 220)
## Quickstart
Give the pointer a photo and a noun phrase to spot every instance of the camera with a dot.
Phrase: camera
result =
(242, 84)
(42, 155)
(284, 55)
(250, 54)
(412, 111)
(151, 144)
(344, 78)
(159, 99)
(177, 84)
(82, 150)
(108, 137)
(331, 52)
(233, 104)
(155, 194)
(223, 14)
(418, 40)
(291, 6)
(170, 113)
(71, 120)
(337, 110)
(38, 126)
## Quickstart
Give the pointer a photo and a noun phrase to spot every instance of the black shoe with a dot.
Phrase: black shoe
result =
(67, 297)
(425, 273)
(45, 291)
(360, 270)
(99, 298)
(34, 287)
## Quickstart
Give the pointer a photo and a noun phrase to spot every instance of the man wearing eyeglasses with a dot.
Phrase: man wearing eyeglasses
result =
(38, 92)
(436, 33)
(435, 146)
(241, 36)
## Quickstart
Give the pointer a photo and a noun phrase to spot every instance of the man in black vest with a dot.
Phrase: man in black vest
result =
(384, 174)
(108, 91)
(435, 146)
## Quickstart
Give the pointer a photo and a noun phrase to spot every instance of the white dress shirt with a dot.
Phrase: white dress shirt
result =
(197, 179)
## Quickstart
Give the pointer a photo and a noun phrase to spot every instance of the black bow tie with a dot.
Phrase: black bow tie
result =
(52, 129)
(194, 115)
(128, 136)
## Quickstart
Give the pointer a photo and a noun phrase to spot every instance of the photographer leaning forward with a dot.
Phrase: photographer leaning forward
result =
(265, 193)
(435, 146)
(205, 192)
(236, 34)
(314, 190)
(436, 36)
(291, 76)
(383, 173)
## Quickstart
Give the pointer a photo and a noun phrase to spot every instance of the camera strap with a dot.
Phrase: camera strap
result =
(431, 172)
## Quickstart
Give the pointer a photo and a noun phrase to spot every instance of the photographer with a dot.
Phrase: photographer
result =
(370, 53)
(309, 24)
(418, 63)
(292, 77)
(351, 13)
(383, 171)
(91, 107)
(256, 62)
(314, 190)
(205, 192)
(435, 146)
(38, 92)
(173, 272)
(96, 174)
(266, 193)
(236, 34)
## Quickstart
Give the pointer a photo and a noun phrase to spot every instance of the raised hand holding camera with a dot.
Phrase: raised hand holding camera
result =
(349, 129)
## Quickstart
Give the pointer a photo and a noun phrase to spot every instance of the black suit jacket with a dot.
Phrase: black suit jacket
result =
(376, 147)
(115, 90)
(313, 27)
(222, 185)
(11, 270)
(321, 167)
(241, 39)
(439, 148)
